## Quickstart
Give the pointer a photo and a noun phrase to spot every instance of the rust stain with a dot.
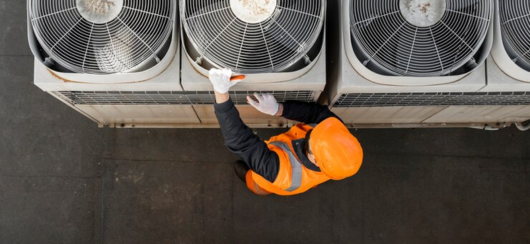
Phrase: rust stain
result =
(255, 7)
(425, 7)
(99, 6)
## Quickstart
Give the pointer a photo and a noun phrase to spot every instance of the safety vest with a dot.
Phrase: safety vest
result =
(293, 177)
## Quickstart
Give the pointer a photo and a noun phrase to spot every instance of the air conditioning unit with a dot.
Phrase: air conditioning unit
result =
(278, 45)
(403, 62)
(116, 62)
(509, 65)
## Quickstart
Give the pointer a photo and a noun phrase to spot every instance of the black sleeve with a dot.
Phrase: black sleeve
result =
(308, 113)
(240, 140)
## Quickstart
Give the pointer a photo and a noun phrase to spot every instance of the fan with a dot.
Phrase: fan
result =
(253, 36)
(421, 38)
(515, 23)
(102, 36)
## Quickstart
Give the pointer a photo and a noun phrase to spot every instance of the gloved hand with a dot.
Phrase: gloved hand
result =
(266, 104)
(220, 79)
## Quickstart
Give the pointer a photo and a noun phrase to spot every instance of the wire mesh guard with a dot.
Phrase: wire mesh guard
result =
(515, 26)
(172, 98)
(102, 36)
(253, 36)
(420, 37)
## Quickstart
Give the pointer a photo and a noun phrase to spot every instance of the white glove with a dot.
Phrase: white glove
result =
(267, 103)
(220, 79)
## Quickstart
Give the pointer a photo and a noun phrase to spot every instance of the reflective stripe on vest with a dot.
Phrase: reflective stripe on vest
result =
(296, 167)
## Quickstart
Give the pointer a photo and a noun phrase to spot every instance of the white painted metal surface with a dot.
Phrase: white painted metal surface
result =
(503, 73)
(311, 77)
(354, 77)
(503, 76)
(162, 77)
(482, 114)
(249, 115)
(387, 115)
(127, 115)
(179, 73)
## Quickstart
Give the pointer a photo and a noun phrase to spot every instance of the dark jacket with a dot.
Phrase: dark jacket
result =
(240, 139)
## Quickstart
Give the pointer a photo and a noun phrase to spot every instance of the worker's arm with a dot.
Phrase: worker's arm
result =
(308, 113)
(240, 139)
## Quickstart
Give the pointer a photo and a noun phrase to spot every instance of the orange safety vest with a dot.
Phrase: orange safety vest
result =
(293, 177)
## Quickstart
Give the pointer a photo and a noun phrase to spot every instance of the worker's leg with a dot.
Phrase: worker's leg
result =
(251, 184)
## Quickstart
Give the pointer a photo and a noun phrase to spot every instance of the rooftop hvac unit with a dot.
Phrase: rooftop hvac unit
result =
(115, 61)
(278, 45)
(404, 61)
(510, 67)
(508, 70)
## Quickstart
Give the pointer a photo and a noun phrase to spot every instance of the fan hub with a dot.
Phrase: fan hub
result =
(253, 11)
(422, 13)
(99, 11)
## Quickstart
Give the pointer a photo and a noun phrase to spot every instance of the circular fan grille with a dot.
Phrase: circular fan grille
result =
(102, 36)
(515, 23)
(271, 45)
(420, 37)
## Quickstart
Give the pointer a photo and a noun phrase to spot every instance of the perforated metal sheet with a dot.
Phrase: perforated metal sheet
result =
(433, 99)
(170, 98)
(515, 27)
(272, 45)
(123, 43)
(401, 48)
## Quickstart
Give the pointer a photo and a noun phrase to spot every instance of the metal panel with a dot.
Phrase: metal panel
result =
(171, 97)
(249, 115)
(484, 114)
(140, 115)
(432, 99)
(386, 115)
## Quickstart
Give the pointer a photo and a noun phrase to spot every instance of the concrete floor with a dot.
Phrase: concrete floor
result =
(63, 180)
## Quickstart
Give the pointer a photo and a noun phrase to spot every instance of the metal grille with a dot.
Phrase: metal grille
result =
(404, 37)
(102, 36)
(432, 99)
(515, 23)
(274, 44)
(168, 97)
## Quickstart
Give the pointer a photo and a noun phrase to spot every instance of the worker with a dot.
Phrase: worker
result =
(314, 151)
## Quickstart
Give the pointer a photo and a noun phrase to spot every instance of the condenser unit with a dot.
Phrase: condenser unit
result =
(278, 45)
(507, 94)
(508, 66)
(116, 62)
(402, 62)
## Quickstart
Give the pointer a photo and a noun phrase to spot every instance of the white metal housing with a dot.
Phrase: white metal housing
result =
(366, 99)
(150, 98)
(504, 74)
(304, 84)
(508, 86)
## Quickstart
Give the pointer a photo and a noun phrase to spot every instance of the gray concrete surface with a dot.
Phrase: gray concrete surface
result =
(63, 180)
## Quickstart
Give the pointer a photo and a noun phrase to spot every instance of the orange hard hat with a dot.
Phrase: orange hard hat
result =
(337, 151)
